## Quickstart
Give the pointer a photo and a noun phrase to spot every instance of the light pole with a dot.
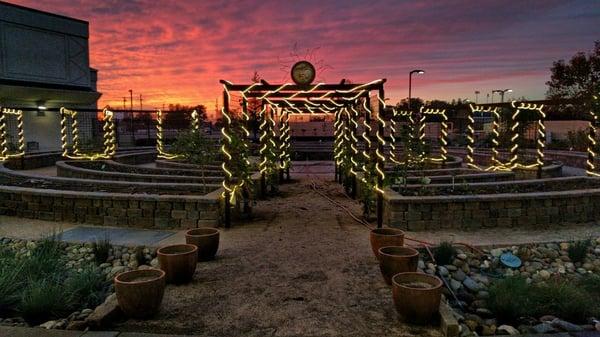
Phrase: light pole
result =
(416, 71)
(476, 96)
(501, 92)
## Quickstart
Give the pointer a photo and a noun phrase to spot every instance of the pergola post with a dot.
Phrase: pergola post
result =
(263, 149)
(245, 136)
(380, 161)
(227, 161)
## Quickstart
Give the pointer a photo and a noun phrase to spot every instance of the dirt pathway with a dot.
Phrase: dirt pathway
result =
(301, 268)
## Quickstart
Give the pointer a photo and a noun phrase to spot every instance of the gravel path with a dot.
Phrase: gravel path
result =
(301, 268)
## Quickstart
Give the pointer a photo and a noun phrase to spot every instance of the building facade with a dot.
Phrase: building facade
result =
(44, 63)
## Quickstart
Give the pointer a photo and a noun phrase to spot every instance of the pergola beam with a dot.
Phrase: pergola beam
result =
(265, 87)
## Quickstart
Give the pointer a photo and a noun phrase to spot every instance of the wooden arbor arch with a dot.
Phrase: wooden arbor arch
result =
(518, 117)
(349, 103)
(5, 151)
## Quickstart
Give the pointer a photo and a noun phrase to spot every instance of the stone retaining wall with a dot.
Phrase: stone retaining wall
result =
(514, 210)
(65, 169)
(174, 164)
(91, 185)
(129, 168)
(111, 209)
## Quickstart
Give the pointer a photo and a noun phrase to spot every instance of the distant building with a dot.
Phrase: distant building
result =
(44, 62)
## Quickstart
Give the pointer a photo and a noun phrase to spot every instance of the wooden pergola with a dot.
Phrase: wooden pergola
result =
(350, 104)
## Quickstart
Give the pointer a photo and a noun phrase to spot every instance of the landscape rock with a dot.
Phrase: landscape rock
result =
(49, 325)
(104, 313)
(543, 328)
(566, 326)
(471, 284)
(507, 330)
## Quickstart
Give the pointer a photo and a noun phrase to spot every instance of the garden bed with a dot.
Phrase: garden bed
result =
(68, 284)
(20, 179)
(113, 166)
(73, 169)
(556, 288)
(556, 206)
(518, 186)
(112, 209)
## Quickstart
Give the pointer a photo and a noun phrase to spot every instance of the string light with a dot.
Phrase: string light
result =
(109, 136)
(443, 132)
(513, 162)
(4, 152)
(592, 143)
(346, 140)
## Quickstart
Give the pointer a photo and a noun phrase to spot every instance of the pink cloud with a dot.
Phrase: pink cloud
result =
(175, 52)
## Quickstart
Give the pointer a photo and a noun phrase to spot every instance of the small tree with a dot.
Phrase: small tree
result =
(196, 149)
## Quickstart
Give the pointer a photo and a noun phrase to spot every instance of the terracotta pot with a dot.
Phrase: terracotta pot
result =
(416, 296)
(383, 237)
(140, 292)
(394, 260)
(207, 241)
(178, 262)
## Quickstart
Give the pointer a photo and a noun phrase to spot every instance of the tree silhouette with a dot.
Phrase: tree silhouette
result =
(578, 79)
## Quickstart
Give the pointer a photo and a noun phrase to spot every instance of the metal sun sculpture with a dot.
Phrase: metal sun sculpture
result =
(308, 55)
(72, 149)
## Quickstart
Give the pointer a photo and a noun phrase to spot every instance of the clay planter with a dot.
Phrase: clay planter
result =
(394, 260)
(416, 296)
(207, 241)
(178, 262)
(140, 292)
(383, 237)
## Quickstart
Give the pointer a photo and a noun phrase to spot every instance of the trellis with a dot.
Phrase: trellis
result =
(5, 150)
(516, 119)
(347, 102)
(429, 115)
(70, 143)
(160, 145)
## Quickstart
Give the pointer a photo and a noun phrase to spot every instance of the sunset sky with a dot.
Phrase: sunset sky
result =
(176, 51)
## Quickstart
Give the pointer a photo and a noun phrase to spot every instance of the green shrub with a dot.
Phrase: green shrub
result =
(578, 250)
(509, 299)
(512, 297)
(43, 300)
(564, 299)
(101, 249)
(9, 287)
(40, 287)
(46, 259)
(591, 284)
(444, 253)
(139, 255)
(87, 288)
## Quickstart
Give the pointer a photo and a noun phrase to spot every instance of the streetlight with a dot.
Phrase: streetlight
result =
(417, 71)
(476, 96)
(501, 92)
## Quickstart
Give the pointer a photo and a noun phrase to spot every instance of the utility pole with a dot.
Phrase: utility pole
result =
(124, 101)
(141, 105)
(131, 101)
(131, 114)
